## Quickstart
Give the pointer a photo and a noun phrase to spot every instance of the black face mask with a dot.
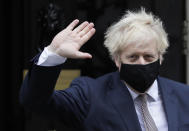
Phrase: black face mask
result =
(140, 77)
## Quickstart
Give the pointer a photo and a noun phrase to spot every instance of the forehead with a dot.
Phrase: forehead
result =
(141, 46)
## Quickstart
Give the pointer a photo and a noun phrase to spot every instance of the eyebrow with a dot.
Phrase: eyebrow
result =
(152, 53)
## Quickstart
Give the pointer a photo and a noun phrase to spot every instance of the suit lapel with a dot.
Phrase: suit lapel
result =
(169, 103)
(122, 102)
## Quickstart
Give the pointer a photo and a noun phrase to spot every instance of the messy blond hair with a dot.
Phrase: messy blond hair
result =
(130, 27)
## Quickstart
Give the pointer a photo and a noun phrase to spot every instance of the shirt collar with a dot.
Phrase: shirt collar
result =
(153, 92)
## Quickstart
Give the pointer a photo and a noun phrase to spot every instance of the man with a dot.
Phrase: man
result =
(134, 98)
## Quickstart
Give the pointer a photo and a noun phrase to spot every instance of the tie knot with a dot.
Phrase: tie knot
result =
(143, 97)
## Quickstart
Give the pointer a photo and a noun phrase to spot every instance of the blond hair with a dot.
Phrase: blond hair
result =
(133, 26)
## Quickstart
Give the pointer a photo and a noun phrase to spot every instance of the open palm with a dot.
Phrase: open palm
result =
(68, 42)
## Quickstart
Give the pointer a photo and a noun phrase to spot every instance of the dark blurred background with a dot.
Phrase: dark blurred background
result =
(27, 26)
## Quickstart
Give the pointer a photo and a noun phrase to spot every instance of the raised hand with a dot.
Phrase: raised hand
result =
(68, 42)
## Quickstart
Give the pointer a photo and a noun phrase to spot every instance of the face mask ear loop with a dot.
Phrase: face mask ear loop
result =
(160, 58)
(118, 60)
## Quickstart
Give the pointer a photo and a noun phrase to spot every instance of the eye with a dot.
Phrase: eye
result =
(149, 57)
(133, 57)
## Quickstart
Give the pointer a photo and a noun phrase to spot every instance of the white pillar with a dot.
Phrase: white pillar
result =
(187, 41)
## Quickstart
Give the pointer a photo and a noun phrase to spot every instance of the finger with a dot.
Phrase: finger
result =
(86, 29)
(72, 25)
(87, 36)
(80, 27)
(83, 55)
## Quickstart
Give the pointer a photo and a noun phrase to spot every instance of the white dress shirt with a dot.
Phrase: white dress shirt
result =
(154, 103)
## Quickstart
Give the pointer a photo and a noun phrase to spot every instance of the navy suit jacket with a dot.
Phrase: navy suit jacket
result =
(102, 104)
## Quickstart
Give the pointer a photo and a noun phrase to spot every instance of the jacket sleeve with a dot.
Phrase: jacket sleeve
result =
(37, 94)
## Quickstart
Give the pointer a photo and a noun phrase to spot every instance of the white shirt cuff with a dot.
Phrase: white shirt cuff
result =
(49, 58)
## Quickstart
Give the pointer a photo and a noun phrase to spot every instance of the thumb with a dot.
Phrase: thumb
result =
(83, 55)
